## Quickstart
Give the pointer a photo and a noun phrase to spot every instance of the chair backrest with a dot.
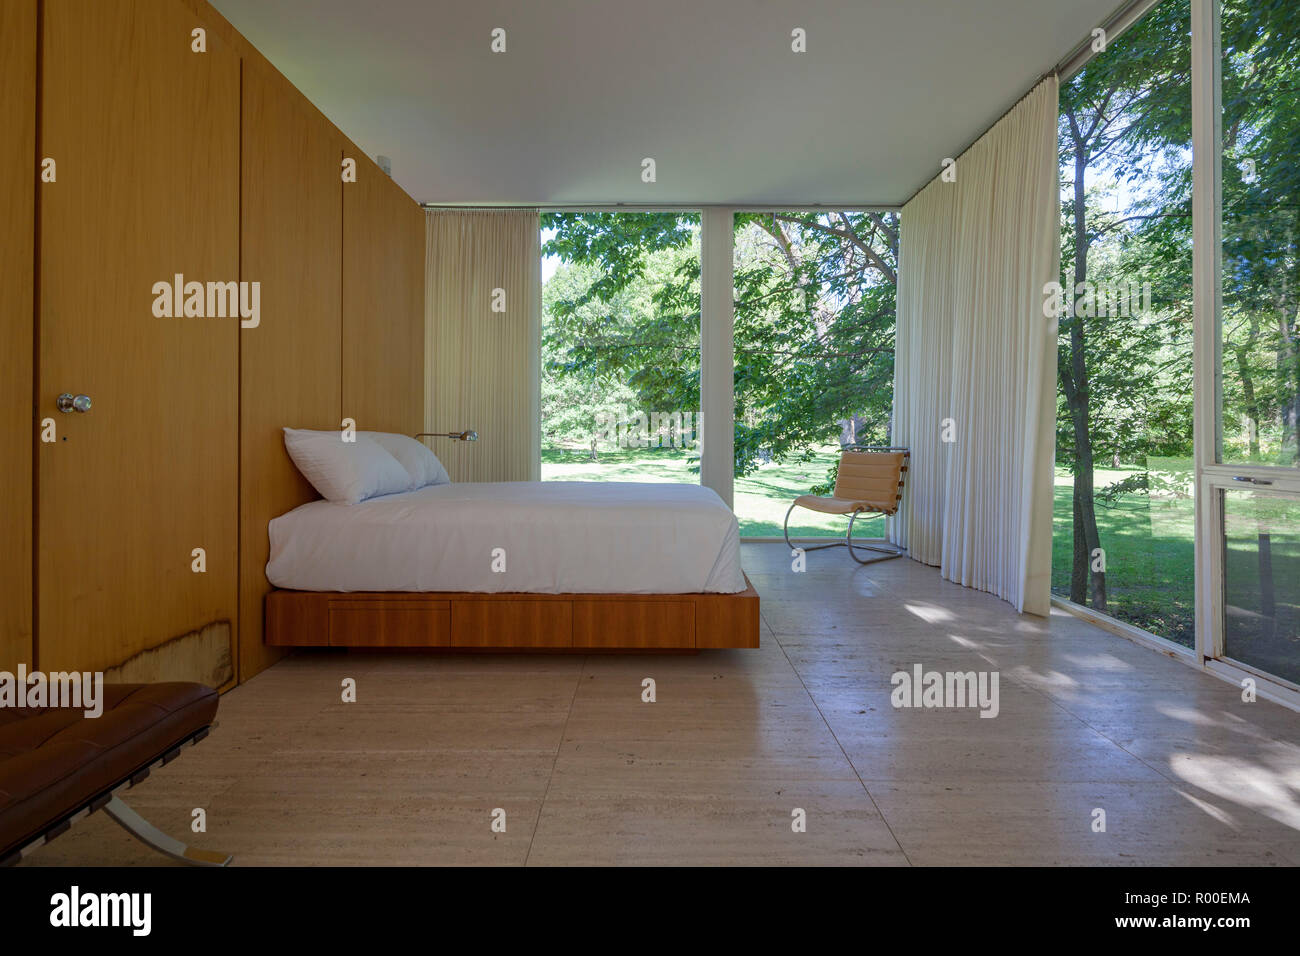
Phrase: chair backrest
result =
(874, 475)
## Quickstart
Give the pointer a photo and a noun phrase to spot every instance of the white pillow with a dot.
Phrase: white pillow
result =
(415, 456)
(345, 471)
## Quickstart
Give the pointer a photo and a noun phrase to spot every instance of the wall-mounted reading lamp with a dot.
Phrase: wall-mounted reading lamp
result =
(467, 435)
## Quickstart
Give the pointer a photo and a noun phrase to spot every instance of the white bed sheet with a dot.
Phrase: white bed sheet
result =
(558, 537)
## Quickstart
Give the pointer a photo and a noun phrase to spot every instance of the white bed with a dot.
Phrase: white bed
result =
(557, 537)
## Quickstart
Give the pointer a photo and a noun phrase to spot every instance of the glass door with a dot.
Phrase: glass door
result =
(1253, 478)
(1259, 573)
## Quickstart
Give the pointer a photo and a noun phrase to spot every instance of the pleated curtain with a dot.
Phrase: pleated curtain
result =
(975, 360)
(482, 341)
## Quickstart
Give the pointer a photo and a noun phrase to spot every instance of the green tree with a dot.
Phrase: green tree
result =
(1261, 224)
(627, 315)
(573, 406)
(814, 319)
(1126, 104)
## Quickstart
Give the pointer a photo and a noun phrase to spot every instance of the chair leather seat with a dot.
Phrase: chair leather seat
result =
(844, 506)
(53, 760)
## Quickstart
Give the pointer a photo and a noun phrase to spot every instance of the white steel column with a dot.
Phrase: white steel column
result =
(717, 353)
(1206, 260)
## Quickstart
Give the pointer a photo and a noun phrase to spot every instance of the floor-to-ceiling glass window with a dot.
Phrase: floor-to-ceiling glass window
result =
(1259, 337)
(1125, 480)
(814, 355)
(620, 365)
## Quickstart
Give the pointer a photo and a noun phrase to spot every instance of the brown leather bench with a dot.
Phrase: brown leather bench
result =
(57, 765)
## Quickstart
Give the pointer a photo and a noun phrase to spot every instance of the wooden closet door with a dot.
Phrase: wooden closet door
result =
(17, 197)
(145, 133)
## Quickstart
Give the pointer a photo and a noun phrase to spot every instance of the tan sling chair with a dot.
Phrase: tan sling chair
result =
(869, 481)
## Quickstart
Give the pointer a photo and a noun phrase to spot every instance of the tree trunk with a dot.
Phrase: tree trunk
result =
(1253, 411)
(1288, 366)
(1086, 538)
(1289, 379)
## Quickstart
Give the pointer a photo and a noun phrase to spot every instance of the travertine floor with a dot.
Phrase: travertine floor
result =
(713, 770)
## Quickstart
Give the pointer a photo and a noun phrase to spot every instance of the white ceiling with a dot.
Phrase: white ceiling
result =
(709, 88)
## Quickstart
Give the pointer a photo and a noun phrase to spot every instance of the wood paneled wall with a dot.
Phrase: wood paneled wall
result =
(292, 242)
(342, 272)
(218, 168)
(17, 224)
(383, 285)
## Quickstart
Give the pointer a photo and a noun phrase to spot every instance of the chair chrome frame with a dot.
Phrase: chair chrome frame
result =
(885, 553)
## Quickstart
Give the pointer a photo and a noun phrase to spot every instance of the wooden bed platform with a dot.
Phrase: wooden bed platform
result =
(512, 620)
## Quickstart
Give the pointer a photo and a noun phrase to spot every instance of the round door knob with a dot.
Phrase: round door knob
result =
(67, 402)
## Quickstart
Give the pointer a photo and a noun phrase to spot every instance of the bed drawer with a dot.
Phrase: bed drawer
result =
(361, 623)
(512, 623)
(633, 624)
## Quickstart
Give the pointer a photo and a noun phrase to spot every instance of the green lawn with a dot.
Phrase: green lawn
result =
(1150, 567)
(761, 499)
(1149, 555)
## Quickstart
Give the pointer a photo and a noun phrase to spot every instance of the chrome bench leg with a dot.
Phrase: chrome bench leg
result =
(151, 836)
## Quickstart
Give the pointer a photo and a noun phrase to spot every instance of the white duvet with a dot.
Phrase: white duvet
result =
(554, 537)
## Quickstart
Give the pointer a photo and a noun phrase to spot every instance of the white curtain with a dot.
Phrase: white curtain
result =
(482, 299)
(975, 360)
